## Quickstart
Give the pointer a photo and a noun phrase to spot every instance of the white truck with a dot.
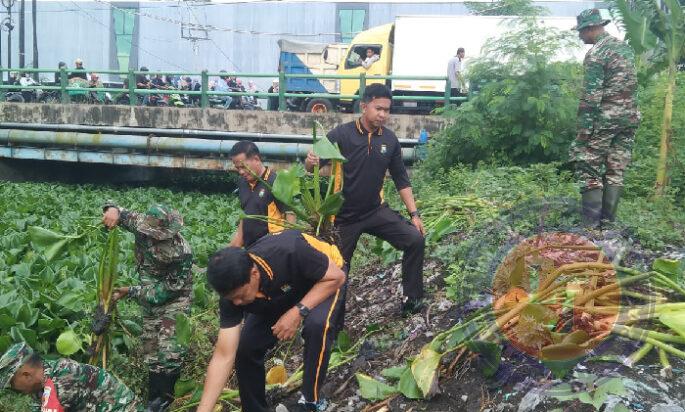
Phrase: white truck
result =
(422, 46)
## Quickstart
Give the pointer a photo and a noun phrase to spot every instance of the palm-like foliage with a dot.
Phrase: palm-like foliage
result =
(656, 31)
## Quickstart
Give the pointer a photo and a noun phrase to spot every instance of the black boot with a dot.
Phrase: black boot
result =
(592, 208)
(612, 194)
(168, 390)
(154, 392)
(161, 392)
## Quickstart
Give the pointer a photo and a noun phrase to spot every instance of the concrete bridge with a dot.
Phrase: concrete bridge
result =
(168, 137)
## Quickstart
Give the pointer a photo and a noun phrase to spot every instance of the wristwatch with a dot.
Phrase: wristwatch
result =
(415, 214)
(304, 311)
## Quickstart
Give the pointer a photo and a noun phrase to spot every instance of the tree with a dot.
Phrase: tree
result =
(522, 108)
(656, 31)
(506, 8)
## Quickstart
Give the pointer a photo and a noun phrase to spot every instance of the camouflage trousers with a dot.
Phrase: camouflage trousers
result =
(603, 157)
(161, 351)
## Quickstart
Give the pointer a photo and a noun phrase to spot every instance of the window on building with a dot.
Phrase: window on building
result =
(351, 21)
(124, 23)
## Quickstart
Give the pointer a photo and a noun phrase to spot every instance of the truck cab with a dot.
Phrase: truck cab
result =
(380, 41)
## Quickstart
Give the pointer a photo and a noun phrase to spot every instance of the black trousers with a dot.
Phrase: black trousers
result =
(390, 226)
(256, 338)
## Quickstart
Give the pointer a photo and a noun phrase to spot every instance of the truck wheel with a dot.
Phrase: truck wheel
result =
(319, 106)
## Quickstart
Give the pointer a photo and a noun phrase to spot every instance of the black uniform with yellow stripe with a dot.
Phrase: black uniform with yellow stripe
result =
(290, 264)
(370, 155)
(256, 199)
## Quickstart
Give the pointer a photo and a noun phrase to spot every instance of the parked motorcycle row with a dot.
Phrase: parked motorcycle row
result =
(85, 96)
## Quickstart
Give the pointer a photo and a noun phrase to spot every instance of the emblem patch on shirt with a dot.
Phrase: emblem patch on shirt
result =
(261, 192)
(286, 288)
(384, 149)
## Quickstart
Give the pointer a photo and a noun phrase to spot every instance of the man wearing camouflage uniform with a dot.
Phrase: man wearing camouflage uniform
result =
(164, 262)
(63, 385)
(607, 119)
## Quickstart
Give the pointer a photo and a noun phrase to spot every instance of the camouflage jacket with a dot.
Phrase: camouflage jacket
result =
(609, 96)
(86, 388)
(164, 265)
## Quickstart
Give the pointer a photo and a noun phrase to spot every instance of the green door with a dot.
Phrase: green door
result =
(351, 23)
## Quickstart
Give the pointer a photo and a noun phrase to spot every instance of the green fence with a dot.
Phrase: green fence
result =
(67, 91)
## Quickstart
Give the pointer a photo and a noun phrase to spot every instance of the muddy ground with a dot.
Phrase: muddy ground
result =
(521, 383)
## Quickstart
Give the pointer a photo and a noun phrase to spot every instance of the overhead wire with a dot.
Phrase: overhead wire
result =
(133, 44)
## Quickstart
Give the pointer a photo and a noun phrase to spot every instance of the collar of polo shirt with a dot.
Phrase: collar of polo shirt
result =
(362, 130)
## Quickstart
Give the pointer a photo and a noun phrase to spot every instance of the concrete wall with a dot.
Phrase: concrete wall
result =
(404, 126)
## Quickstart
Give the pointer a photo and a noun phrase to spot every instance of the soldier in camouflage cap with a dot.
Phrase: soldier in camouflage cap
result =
(164, 261)
(63, 385)
(607, 119)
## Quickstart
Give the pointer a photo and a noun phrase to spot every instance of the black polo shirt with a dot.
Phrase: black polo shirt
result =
(369, 154)
(256, 199)
(289, 264)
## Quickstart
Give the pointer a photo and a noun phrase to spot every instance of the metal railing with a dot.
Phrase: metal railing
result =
(66, 90)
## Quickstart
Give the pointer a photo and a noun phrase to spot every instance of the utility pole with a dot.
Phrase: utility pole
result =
(8, 25)
(34, 19)
(22, 34)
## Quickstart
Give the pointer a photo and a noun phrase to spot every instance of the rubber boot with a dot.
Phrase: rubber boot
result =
(161, 392)
(592, 208)
(167, 394)
(612, 194)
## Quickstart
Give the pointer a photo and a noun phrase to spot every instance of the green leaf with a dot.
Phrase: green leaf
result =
(407, 385)
(325, 149)
(597, 400)
(184, 387)
(425, 370)
(490, 355)
(562, 392)
(343, 343)
(675, 321)
(183, 330)
(332, 204)
(68, 343)
(287, 184)
(443, 226)
(134, 327)
(52, 244)
(560, 368)
(612, 386)
(5, 342)
(460, 335)
(372, 389)
(395, 372)
(19, 333)
(673, 269)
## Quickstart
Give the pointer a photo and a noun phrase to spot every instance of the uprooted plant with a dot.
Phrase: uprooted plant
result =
(556, 297)
(302, 194)
(107, 274)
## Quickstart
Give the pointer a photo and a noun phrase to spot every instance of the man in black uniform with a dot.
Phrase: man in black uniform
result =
(371, 150)
(255, 197)
(280, 281)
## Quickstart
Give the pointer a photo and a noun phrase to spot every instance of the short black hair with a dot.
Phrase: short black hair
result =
(460, 50)
(376, 91)
(246, 147)
(228, 269)
(34, 360)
